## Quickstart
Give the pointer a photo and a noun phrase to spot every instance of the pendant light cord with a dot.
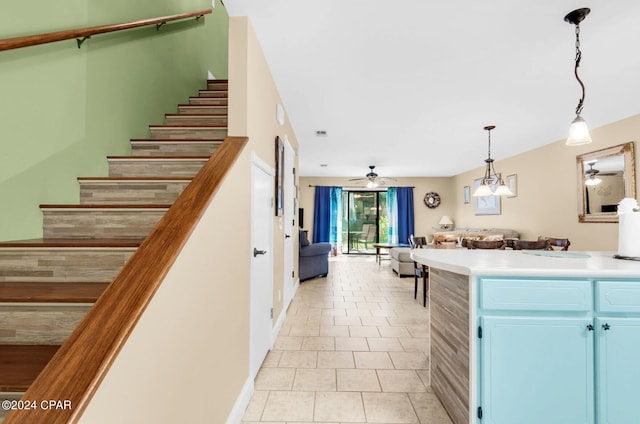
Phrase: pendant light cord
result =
(577, 60)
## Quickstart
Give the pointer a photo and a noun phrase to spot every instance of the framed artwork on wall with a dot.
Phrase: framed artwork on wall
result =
(279, 176)
(467, 194)
(512, 183)
(487, 205)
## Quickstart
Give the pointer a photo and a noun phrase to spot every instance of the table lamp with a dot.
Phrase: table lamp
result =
(446, 223)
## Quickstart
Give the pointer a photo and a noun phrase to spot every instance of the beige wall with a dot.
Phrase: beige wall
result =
(186, 361)
(547, 201)
(425, 218)
(253, 97)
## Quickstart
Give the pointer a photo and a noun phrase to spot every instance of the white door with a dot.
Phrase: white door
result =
(289, 216)
(261, 290)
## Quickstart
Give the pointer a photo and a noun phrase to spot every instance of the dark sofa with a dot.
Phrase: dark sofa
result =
(313, 258)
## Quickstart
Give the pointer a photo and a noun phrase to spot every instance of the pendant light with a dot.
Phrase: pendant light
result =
(484, 189)
(578, 132)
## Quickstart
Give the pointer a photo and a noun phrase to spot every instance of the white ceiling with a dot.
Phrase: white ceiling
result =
(408, 85)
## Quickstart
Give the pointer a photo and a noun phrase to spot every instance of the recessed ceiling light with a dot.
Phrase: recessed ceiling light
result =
(321, 133)
(323, 165)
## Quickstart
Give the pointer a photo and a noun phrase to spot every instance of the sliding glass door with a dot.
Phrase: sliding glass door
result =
(364, 221)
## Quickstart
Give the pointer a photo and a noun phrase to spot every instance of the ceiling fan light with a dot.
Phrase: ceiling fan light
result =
(593, 181)
(578, 132)
(483, 190)
(372, 184)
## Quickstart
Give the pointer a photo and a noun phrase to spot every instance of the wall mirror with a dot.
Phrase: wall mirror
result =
(604, 178)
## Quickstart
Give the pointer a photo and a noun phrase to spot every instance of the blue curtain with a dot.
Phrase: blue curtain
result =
(392, 213)
(335, 235)
(322, 215)
(405, 213)
(327, 215)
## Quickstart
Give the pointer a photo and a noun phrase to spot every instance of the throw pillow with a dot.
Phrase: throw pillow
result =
(304, 241)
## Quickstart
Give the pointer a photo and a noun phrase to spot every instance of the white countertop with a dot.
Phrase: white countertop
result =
(528, 263)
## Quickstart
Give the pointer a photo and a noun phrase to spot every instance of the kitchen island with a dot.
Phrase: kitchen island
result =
(534, 336)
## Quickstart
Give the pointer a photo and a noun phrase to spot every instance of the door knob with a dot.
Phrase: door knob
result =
(257, 252)
(606, 326)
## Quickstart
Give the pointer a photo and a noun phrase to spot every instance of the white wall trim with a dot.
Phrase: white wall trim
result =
(235, 417)
(256, 160)
(296, 285)
(278, 326)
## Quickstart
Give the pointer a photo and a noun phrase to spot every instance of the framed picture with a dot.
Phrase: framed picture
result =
(467, 194)
(512, 183)
(487, 205)
(279, 176)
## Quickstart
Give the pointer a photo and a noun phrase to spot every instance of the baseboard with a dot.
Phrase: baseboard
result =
(235, 417)
(296, 285)
(278, 326)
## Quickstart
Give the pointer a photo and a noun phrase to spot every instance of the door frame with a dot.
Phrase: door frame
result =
(290, 283)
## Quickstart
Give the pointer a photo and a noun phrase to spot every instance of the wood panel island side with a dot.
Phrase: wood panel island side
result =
(534, 336)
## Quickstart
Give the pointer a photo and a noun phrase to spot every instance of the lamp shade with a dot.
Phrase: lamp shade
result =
(483, 190)
(503, 190)
(578, 132)
(445, 220)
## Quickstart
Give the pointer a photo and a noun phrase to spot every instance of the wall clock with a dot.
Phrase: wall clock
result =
(432, 200)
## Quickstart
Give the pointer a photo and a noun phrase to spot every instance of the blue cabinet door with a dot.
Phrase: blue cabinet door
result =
(536, 370)
(618, 370)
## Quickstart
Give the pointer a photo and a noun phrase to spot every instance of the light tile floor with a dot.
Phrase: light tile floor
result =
(354, 348)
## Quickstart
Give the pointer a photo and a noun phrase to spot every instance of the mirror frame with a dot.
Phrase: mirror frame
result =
(629, 177)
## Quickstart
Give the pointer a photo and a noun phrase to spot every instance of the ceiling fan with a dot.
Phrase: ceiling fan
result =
(592, 174)
(592, 171)
(373, 180)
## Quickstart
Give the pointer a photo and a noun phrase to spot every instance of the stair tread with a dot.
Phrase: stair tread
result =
(180, 140)
(157, 157)
(189, 105)
(51, 292)
(75, 242)
(188, 126)
(21, 364)
(195, 115)
(106, 206)
(159, 179)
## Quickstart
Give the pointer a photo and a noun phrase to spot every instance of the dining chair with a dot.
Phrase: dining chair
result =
(419, 270)
(486, 244)
(531, 244)
(557, 243)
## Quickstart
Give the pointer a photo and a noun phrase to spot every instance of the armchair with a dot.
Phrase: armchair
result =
(313, 258)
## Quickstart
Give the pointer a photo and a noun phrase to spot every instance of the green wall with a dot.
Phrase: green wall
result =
(65, 109)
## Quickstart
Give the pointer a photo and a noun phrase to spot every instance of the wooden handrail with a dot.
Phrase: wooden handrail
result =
(83, 33)
(76, 370)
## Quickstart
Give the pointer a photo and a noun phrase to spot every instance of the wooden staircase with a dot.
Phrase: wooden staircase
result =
(48, 285)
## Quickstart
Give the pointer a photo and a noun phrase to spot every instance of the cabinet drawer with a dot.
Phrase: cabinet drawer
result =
(535, 294)
(618, 296)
